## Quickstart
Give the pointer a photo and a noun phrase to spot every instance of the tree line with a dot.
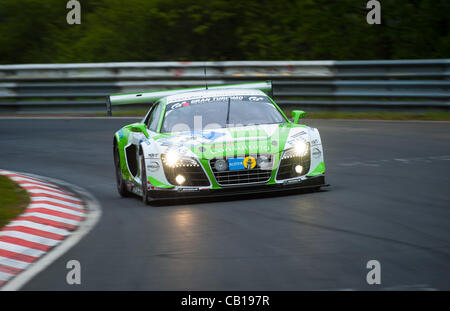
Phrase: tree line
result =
(36, 31)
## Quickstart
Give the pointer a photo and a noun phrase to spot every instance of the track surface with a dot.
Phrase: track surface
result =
(389, 201)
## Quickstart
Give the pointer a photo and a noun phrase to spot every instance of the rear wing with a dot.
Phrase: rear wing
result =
(151, 97)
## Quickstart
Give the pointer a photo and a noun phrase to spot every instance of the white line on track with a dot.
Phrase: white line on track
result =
(21, 249)
(50, 217)
(56, 208)
(5, 276)
(53, 200)
(39, 186)
(21, 180)
(14, 264)
(31, 224)
(39, 191)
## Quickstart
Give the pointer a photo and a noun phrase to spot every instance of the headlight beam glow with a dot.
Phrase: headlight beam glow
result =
(301, 148)
(171, 158)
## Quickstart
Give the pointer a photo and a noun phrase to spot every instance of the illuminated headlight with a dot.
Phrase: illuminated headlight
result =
(298, 169)
(180, 179)
(300, 149)
(173, 159)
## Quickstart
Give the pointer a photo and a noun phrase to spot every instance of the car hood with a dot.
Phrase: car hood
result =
(225, 142)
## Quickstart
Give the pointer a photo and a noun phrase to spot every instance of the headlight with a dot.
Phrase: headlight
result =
(174, 159)
(171, 158)
(180, 179)
(300, 149)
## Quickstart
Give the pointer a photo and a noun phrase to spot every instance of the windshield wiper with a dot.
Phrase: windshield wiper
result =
(228, 111)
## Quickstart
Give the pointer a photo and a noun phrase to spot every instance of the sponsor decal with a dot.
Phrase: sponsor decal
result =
(291, 181)
(240, 147)
(187, 189)
(297, 137)
(153, 166)
(187, 102)
(316, 153)
(235, 164)
(256, 98)
(249, 162)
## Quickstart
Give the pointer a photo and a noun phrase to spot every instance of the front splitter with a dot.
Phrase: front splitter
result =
(310, 182)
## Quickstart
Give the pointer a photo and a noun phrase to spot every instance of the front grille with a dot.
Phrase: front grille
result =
(194, 175)
(286, 168)
(245, 176)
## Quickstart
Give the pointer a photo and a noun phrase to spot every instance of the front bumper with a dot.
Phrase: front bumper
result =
(310, 182)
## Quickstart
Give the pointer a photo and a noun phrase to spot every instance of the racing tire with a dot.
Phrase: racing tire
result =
(121, 187)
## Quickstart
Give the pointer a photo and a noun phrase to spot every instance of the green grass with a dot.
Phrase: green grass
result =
(363, 115)
(13, 200)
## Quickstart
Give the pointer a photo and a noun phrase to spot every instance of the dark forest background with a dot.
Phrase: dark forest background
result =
(36, 31)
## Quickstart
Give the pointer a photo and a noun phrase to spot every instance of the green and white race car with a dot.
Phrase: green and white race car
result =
(223, 140)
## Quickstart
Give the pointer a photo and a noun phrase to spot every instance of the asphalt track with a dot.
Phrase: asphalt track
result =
(389, 200)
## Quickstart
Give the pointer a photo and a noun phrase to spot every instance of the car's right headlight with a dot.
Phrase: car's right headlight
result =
(300, 149)
(174, 159)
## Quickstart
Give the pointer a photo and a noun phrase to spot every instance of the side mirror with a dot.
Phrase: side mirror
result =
(138, 128)
(297, 114)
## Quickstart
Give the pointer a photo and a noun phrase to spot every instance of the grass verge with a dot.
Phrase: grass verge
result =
(13, 200)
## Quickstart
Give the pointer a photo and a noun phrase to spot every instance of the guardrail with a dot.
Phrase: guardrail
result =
(80, 88)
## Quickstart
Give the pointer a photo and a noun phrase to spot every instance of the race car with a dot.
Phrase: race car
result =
(214, 141)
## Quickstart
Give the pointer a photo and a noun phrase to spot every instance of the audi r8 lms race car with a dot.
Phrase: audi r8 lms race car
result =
(221, 140)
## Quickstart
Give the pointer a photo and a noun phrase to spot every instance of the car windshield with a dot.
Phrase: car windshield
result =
(219, 112)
